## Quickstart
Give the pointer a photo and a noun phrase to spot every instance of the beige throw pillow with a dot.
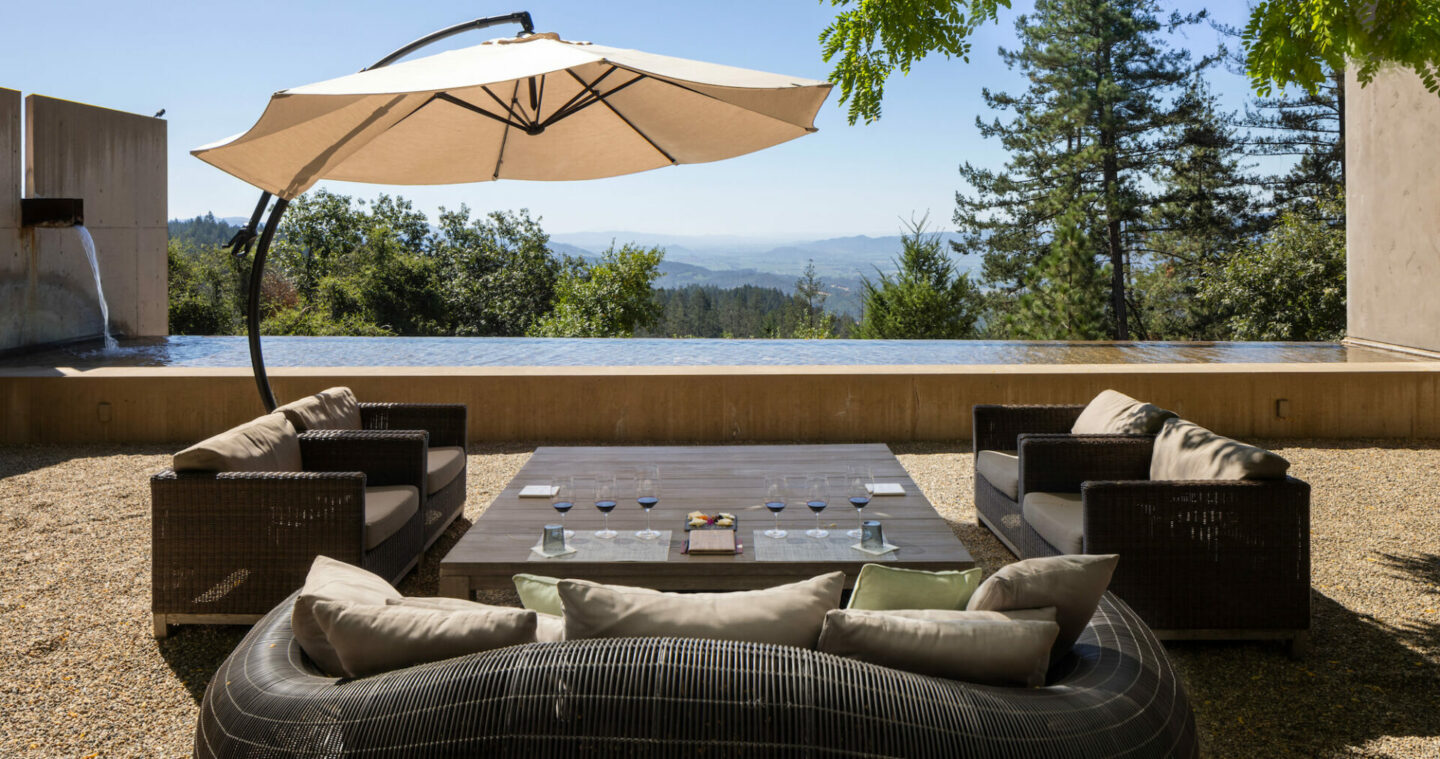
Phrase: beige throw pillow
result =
(1186, 451)
(548, 628)
(331, 580)
(374, 639)
(971, 646)
(264, 444)
(331, 409)
(1115, 413)
(789, 615)
(1072, 584)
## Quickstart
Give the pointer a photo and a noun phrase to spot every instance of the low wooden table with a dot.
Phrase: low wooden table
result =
(696, 478)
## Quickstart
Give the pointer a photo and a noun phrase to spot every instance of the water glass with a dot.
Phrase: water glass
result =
(857, 489)
(817, 497)
(647, 494)
(605, 502)
(775, 501)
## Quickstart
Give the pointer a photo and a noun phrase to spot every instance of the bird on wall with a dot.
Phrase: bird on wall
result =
(158, 114)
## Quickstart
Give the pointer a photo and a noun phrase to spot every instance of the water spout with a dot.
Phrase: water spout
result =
(89, 244)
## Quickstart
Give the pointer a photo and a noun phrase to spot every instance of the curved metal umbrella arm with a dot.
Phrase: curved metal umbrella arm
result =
(240, 243)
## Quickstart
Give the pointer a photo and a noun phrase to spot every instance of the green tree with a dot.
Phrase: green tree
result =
(1289, 286)
(500, 275)
(1064, 298)
(611, 297)
(813, 322)
(1094, 124)
(205, 290)
(925, 299)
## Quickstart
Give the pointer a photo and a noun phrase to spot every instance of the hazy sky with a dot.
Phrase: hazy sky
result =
(213, 66)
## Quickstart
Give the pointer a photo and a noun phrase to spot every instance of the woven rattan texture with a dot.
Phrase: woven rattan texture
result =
(1116, 696)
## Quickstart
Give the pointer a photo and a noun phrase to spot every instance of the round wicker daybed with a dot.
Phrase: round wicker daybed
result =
(1115, 695)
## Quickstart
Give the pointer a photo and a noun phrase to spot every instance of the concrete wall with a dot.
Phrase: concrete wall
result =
(1392, 157)
(116, 163)
(676, 404)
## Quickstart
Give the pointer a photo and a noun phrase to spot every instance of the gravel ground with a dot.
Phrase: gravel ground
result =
(81, 676)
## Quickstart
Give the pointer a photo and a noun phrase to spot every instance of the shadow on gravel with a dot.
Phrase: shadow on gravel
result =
(20, 459)
(1358, 683)
(194, 653)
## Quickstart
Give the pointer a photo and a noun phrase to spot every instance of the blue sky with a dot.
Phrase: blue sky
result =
(212, 67)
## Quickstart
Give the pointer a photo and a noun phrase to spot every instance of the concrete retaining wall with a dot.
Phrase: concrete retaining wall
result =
(115, 162)
(712, 404)
(1392, 164)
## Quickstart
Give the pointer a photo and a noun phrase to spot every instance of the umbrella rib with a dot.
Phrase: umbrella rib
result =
(519, 117)
(594, 98)
(582, 93)
(692, 90)
(447, 97)
(621, 116)
(505, 135)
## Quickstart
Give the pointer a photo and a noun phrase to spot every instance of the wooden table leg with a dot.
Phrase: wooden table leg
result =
(455, 586)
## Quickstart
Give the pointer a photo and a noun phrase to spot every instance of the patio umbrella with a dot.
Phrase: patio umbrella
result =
(531, 107)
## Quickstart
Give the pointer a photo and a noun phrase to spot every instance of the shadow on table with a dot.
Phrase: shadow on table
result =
(1362, 680)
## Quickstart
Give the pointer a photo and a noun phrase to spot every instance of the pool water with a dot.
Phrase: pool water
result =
(188, 351)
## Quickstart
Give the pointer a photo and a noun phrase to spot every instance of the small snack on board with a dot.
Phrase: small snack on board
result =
(699, 520)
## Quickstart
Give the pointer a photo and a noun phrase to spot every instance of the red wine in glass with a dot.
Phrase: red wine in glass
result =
(817, 499)
(605, 502)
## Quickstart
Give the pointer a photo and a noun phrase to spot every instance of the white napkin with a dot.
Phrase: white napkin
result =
(885, 488)
(537, 491)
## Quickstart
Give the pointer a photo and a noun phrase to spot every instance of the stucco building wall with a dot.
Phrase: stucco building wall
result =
(115, 162)
(1392, 157)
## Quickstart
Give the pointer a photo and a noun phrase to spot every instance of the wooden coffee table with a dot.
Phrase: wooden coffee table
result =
(697, 478)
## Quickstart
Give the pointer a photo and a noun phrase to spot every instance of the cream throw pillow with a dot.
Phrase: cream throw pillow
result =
(1186, 451)
(789, 615)
(548, 627)
(263, 444)
(331, 580)
(974, 647)
(1115, 413)
(1072, 584)
(331, 409)
(374, 639)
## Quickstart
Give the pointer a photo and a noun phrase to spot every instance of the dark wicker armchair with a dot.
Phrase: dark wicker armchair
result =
(1115, 695)
(446, 425)
(1212, 559)
(229, 546)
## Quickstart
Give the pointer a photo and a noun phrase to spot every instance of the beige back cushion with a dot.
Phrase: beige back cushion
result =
(548, 628)
(789, 615)
(331, 580)
(1186, 451)
(371, 639)
(1072, 584)
(266, 444)
(332, 409)
(970, 646)
(1115, 413)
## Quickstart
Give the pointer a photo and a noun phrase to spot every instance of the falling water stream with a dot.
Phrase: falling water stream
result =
(89, 244)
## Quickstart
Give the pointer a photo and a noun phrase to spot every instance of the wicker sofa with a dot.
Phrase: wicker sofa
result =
(1212, 559)
(227, 546)
(1115, 694)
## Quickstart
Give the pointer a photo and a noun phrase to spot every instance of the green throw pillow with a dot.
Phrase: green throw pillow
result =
(539, 593)
(883, 588)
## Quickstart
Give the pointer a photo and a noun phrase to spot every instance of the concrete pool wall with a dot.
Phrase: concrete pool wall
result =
(718, 404)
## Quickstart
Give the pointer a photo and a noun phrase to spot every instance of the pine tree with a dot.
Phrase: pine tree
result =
(1309, 128)
(1064, 294)
(1092, 124)
(925, 299)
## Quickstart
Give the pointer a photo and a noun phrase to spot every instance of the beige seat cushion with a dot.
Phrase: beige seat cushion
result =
(1058, 519)
(1001, 469)
(970, 646)
(1072, 584)
(548, 628)
(331, 409)
(371, 639)
(331, 580)
(265, 444)
(1186, 451)
(789, 615)
(441, 466)
(1115, 413)
(387, 509)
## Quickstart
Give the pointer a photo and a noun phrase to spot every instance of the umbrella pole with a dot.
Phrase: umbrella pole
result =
(252, 306)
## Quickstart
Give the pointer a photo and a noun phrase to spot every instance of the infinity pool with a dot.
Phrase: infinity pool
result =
(185, 351)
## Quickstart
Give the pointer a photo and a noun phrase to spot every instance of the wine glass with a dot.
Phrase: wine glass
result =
(605, 502)
(562, 499)
(817, 498)
(775, 502)
(647, 494)
(857, 488)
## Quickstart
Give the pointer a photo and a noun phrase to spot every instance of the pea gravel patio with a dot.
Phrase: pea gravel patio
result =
(80, 675)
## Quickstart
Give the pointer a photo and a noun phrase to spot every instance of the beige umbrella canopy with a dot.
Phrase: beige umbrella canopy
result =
(531, 107)
(534, 107)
